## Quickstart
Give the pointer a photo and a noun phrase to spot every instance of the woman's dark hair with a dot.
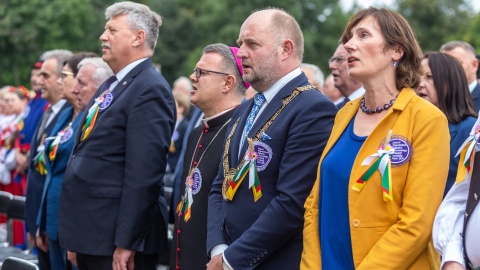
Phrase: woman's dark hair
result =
(450, 80)
(75, 59)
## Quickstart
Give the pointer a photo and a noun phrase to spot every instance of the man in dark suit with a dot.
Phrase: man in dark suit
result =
(50, 72)
(272, 148)
(110, 211)
(465, 54)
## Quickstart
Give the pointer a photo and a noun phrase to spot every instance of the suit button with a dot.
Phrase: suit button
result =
(178, 267)
(356, 223)
(476, 196)
(200, 146)
(178, 231)
(254, 260)
(250, 263)
(178, 249)
(73, 156)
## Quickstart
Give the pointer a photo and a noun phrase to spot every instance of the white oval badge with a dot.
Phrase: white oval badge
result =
(107, 100)
(197, 181)
(403, 150)
(264, 153)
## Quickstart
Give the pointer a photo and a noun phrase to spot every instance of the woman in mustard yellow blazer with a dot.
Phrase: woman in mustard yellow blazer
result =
(382, 174)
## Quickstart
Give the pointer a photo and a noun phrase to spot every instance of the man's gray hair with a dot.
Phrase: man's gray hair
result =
(140, 18)
(456, 43)
(103, 71)
(60, 55)
(319, 77)
(185, 81)
(228, 63)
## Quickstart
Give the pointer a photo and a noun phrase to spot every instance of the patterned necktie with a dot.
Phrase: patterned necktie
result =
(93, 111)
(258, 100)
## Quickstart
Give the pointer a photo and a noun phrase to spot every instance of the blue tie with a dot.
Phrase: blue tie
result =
(258, 100)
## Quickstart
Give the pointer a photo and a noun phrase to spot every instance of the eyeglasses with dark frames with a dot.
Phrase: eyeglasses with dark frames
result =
(67, 73)
(199, 72)
(337, 59)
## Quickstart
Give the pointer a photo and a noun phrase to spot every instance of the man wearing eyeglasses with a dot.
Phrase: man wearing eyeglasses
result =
(272, 148)
(217, 90)
(52, 92)
(349, 87)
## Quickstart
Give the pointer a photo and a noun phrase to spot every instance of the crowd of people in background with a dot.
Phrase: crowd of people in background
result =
(255, 160)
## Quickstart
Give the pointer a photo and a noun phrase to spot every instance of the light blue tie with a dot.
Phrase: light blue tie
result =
(258, 100)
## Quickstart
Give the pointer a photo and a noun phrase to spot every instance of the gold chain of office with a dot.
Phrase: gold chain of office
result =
(230, 172)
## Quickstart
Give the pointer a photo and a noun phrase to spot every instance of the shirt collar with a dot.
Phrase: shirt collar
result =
(278, 85)
(57, 106)
(472, 85)
(357, 93)
(205, 120)
(122, 73)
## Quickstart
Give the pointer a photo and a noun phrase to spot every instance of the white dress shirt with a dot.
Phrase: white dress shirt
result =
(448, 224)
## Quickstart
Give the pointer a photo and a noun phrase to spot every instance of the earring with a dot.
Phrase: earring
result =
(395, 63)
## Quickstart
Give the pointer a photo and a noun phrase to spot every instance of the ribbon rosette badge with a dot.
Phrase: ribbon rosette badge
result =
(187, 199)
(382, 163)
(467, 153)
(250, 167)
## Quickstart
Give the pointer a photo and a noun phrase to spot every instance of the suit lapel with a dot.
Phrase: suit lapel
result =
(272, 107)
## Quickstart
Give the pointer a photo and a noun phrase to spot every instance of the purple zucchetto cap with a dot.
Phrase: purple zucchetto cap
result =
(239, 65)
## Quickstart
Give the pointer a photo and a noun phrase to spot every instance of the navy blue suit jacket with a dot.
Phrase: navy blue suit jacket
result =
(36, 181)
(458, 134)
(112, 191)
(476, 97)
(267, 234)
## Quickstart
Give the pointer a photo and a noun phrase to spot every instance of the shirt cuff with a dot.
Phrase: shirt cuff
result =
(218, 249)
(225, 263)
(453, 253)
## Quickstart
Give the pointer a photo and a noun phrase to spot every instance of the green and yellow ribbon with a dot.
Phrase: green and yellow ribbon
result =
(92, 116)
(382, 163)
(467, 153)
(185, 204)
(39, 161)
(250, 166)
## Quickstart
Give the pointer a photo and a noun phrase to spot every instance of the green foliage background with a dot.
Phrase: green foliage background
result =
(29, 27)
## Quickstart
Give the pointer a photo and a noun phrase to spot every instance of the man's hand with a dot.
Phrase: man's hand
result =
(452, 266)
(72, 257)
(31, 240)
(215, 263)
(22, 161)
(123, 259)
(42, 241)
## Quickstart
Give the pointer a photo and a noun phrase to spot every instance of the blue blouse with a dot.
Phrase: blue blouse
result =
(334, 224)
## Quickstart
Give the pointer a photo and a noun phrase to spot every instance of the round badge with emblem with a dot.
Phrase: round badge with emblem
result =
(264, 155)
(107, 100)
(403, 150)
(67, 135)
(197, 181)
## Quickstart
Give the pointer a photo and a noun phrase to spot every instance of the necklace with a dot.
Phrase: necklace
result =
(379, 109)
(208, 146)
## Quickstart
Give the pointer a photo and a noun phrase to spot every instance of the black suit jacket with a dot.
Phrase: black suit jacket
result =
(267, 234)
(476, 97)
(36, 181)
(112, 191)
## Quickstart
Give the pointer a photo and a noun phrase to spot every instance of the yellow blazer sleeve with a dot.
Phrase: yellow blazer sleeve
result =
(311, 242)
(405, 241)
